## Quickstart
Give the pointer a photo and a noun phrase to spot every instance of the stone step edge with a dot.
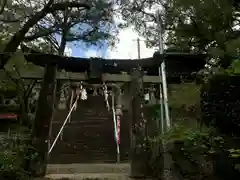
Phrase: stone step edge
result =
(82, 176)
(88, 168)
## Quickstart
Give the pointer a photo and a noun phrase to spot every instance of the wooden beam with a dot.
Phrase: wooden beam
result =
(176, 63)
(65, 76)
(128, 78)
(69, 76)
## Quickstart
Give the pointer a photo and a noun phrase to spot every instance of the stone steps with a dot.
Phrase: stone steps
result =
(88, 171)
(82, 158)
(84, 176)
(88, 168)
(89, 137)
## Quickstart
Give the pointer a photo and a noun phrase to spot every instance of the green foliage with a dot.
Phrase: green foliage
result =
(9, 108)
(15, 153)
(190, 144)
(206, 26)
(220, 103)
(98, 21)
(185, 93)
(235, 153)
(196, 140)
(234, 69)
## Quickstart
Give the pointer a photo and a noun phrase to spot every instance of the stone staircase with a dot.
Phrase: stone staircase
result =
(89, 137)
(88, 171)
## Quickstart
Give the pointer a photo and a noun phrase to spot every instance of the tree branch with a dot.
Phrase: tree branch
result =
(10, 20)
(3, 6)
(11, 47)
(83, 36)
(15, 81)
(43, 33)
(64, 5)
(30, 87)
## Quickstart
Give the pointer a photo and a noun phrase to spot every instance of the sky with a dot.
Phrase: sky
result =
(126, 48)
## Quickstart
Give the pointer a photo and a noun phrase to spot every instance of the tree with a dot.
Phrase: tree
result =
(92, 27)
(190, 26)
(31, 20)
(206, 27)
(65, 19)
(142, 15)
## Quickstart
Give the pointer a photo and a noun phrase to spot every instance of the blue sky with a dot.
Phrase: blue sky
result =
(126, 48)
(79, 50)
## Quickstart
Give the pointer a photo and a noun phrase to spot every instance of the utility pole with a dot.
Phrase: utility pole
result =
(138, 47)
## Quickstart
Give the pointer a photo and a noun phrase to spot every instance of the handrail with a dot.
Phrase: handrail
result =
(65, 122)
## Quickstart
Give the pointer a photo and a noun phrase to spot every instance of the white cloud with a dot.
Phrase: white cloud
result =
(68, 51)
(127, 46)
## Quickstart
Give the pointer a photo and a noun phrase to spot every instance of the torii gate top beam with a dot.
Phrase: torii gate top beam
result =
(177, 64)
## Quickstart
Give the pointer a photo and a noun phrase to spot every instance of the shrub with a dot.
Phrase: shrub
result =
(14, 155)
(220, 103)
(201, 151)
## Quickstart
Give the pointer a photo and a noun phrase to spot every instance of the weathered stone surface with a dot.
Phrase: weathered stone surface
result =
(89, 137)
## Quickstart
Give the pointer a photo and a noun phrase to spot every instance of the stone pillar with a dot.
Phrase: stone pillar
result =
(152, 100)
(138, 153)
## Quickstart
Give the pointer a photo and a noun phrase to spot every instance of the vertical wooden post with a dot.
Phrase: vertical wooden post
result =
(42, 122)
(138, 163)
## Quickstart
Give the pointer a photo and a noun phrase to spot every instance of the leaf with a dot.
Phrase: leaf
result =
(235, 155)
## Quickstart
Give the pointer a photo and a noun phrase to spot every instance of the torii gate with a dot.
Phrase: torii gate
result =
(97, 70)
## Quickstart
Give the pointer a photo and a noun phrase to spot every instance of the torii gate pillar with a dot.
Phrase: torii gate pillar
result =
(138, 153)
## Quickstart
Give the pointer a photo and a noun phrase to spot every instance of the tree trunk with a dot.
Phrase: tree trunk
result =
(41, 126)
(138, 164)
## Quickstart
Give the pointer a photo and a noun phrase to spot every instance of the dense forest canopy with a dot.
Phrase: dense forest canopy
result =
(206, 26)
(41, 24)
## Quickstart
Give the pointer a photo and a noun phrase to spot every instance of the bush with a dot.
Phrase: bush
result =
(200, 151)
(220, 106)
(14, 155)
(190, 150)
(220, 103)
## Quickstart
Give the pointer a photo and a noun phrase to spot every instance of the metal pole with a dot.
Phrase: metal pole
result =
(163, 74)
(162, 124)
(115, 128)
